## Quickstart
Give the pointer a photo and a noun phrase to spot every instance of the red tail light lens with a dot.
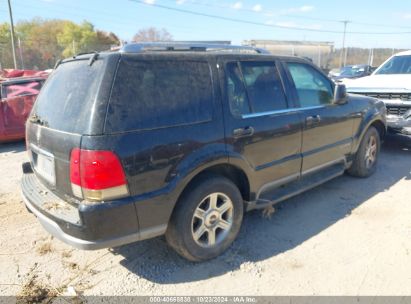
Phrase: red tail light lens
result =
(102, 170)
(97, 175)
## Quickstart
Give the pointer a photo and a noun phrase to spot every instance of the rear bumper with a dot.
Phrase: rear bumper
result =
(88, 227)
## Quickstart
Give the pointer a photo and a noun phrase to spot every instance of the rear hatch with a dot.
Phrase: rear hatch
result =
(72, 103)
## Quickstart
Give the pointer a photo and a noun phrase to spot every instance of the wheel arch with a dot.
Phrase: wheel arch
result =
(376, 123)
(229, 171)
(379, 125)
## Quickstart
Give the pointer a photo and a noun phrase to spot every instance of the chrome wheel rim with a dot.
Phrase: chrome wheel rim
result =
(371, 152)
(212, 220)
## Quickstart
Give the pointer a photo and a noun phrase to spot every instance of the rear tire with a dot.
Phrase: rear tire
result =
(206, 220)
(366, 159)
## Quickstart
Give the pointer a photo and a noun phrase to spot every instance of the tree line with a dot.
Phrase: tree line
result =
(362, 56)
(40, 43)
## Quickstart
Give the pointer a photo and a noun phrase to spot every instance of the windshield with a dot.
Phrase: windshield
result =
(352, 71)
(396, 65)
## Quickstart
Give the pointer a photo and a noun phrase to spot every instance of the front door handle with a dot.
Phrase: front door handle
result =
(312, 120)
(243, 132)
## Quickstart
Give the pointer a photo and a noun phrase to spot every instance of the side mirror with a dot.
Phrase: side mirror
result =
(340, 94)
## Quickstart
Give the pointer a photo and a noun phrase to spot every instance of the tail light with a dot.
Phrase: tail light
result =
(97, 175)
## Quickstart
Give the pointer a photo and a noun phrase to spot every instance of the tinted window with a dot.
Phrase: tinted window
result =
(264, 86)
(67, 98)
(155, 94)
(313, 88)
(237, 96)
(255, 88)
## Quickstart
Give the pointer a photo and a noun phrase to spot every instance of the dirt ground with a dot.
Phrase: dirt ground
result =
(347, 237)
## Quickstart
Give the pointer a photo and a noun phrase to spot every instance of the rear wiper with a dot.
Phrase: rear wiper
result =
(37, 120)
(92, 59)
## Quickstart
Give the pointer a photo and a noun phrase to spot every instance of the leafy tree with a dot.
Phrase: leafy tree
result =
(43, 42)
(152, 34)
(6, 58)
(76, 38)
(38, 39)
(105, 41)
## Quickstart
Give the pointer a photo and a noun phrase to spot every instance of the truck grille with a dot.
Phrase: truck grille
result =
(395, 110)
(397, 96)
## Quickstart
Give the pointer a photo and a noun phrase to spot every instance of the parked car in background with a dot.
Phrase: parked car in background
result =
(351, 71)
(391, 83)
(182, 139)
(332, 72)
(17, 99)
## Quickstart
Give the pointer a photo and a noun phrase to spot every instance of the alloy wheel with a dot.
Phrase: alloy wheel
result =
(212, 220)
(371, 151)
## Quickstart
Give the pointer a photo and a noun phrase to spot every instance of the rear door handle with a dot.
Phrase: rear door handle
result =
(243, 132)
(314, 119)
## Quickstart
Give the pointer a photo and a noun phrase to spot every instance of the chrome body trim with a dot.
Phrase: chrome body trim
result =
(187, 46)
(285, 111)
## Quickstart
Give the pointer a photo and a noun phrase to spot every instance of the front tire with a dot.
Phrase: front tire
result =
(366, 159)
(206, 220)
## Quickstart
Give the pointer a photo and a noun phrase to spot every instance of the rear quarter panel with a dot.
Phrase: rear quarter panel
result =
(160, 162)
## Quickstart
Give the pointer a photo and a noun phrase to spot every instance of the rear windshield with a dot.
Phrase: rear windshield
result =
(66, 101)
(157, 94)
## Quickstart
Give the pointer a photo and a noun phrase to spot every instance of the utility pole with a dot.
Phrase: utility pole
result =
(12, 36)
(319, 56)
(21, 54)
(343, 53)
(345, 56)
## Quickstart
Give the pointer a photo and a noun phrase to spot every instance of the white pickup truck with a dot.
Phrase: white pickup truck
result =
(391, 83)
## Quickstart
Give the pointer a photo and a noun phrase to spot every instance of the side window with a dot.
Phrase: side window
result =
(312, 87)
(236, 93)
(21, 89)
(155, 94)
(255, 88)
(264, 86)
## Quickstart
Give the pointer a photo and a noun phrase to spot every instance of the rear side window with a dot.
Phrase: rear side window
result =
(236, 93)
(254, 87)
(157, 94)
(21, 89)
(264, 86)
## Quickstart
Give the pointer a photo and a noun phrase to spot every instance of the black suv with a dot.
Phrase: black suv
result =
(182, 139)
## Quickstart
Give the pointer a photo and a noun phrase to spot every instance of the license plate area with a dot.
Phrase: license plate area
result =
(43, 164)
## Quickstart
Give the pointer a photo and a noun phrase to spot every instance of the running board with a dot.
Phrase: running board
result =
(305, 183)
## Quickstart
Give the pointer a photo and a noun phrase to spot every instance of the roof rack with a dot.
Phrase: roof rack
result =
(188, 47)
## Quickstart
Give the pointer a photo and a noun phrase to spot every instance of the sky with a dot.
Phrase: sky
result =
(307, 20)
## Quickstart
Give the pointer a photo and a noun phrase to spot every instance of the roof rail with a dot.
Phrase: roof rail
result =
(188, 47)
